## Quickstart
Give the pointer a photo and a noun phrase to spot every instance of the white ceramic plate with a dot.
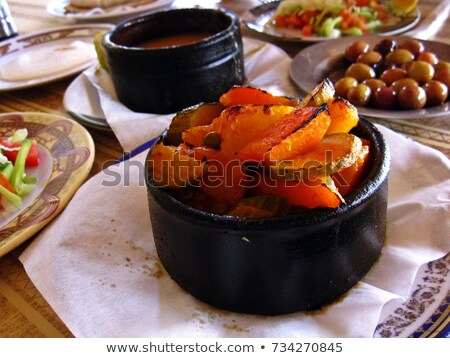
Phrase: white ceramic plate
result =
(59, 8)
(259, 20)
(314, 63)
(47, 56)
(66, 153)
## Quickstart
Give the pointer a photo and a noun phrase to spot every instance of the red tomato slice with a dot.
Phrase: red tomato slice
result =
(5, 183)
(33, 154)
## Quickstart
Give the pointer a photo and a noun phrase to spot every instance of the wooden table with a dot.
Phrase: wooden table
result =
(23, 311)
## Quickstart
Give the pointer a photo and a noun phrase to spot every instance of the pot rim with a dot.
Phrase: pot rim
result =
(137, 21)
(364, 192)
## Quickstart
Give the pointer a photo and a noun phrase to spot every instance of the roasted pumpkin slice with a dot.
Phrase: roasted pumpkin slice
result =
(198, 115)
(170, 167)
(305, 138)
(344, 116)
(240, 125)
(250, 95)
(347, 179)
(321, 94)
(333, 153)
(224, 180)
(308, 194)
(195, 136)
(257, 149)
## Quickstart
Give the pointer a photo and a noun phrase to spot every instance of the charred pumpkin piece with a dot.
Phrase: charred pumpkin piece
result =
(198, 115)
(344, 116)
(171, 167)
(257, 149)
(304, 139)
(205, 153)
(195, 135)
(321, 94)
(240, 125)
(250, 95)
(347, 179)
(224, 180)
(308, 194)
(332, 154)
(263, 206)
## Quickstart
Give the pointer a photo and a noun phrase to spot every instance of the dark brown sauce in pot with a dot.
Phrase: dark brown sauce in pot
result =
(174, 40)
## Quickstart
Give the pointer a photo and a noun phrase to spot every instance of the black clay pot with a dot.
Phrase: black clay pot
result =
(168, 79)
(275, 265)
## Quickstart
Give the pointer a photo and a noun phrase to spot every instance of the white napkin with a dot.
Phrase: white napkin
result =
(266, 66)
(97, 265)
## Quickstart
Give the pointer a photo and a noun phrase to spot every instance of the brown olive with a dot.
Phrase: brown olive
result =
(429, 57)
(359, 95)
(413, 46)
(374, 83)
(421, 71)
(443, 76)
(384, 98)
(398, 57)
(356, 48)
(436, 93)
(370, 58)
(342, 86)
(393, 74)
(441, 65)
(360, 71)
(385, 46)
(399, 84)
(412, 97)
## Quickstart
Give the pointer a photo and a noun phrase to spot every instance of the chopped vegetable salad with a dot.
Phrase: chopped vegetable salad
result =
(17, 153)
(333, 18)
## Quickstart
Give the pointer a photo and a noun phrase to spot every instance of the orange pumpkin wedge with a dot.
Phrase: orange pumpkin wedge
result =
(195, 135)
(250, 95)
(257, 149)
(171, 167)
(308, 194)
(224, 180)
(304, 139)
(240, 125)
(347, 179)
(344, 116)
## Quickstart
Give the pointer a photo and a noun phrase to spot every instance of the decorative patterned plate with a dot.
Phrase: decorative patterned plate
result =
(259, 20)
(66, 152)
(47, 56)
(60, 8)
(426, 312)
(314, 63)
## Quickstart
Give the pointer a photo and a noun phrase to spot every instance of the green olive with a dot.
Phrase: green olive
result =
(391, 75)
(355, 49)
(421, 71)
(413, 46)
(370, 58)
(374, 83)
(359, 95)
(360, 71)
(442, 65)
(412, 97)
(429, 57)
(342, 86)
(213, 140)
(402, 82)
(436, 93)
(399, 57)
